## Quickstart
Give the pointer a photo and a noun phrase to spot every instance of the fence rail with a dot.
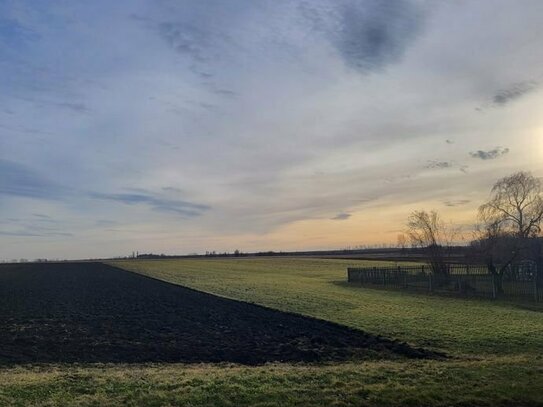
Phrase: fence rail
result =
(518, 283)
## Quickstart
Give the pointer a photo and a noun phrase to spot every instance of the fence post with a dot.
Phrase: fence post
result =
(536, 288)
(430, 288)
(348, 274)
(360, 275)
(494, 294)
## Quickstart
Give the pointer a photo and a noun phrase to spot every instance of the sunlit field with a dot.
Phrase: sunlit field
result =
(494, 350)
(317, 287)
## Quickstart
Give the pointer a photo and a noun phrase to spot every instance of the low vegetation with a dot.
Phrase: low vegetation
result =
(492, 383)
(318, 288)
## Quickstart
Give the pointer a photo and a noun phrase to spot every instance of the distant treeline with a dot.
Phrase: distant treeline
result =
(458, 255)
(399, 254)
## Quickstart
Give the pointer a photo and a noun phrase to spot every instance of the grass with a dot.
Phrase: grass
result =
(496, 348)
(365, 384)
(317, 287)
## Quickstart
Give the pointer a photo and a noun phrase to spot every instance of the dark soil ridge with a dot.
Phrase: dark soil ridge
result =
(96, 313)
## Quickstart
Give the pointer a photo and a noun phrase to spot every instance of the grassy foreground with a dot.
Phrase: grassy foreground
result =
(496, 348)
(516, 382)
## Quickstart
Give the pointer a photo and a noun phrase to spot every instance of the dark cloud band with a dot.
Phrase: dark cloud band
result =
(489, 154)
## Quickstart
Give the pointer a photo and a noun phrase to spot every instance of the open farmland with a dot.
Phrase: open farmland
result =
(318, 288)
(90, 312)
(495, 348)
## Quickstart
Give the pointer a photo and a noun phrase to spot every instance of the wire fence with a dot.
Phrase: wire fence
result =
(519, 282)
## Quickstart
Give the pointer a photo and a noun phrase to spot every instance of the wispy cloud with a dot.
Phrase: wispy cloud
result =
(182, 208)
(513, 92)
(435, 164)
(105, 222)
(35, 226)
(72, 105)
(225, 92)
(342, 216)
(172, 189)
(373, 33)
(19, 180)
(368, 35)
(456, 202)
(489, 154)
(23, 233)
(191, 40)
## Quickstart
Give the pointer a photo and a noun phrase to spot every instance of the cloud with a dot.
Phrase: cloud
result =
(183, 208)
(172, 189)
(489, 154)
(367, 35)
(18, 180)
(395, 178)
(189, 39)
(514, 92)
(18, 234)
(434, 164)
(342, 216)
(74, 106)
(225, 92)
(105, 222)
(456, 202)
(34, 234)
(36, 226)
(41, 216)
(374, 33)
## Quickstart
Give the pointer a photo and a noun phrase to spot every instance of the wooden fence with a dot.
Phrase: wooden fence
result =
(519, 283)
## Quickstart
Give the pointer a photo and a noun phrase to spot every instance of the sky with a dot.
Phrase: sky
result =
(180, 126)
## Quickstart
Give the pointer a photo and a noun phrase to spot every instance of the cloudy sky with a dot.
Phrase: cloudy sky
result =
(184, 126)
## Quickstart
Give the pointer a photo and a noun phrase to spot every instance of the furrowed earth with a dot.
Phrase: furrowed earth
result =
(91, 312)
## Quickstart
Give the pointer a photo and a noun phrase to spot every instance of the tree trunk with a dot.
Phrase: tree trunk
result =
(498, 277)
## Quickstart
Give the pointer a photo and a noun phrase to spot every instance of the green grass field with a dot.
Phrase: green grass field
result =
(496, 349)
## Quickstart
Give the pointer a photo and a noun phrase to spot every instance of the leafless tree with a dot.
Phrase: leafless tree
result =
(510, 223)
(496, 247)
(516, 205)
(427, 230)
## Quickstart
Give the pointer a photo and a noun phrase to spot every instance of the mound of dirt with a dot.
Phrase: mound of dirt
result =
(90, 312)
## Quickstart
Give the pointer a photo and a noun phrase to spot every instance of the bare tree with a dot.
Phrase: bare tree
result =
(427, 230)
(509, 224)
(496, 247)
(516, 205)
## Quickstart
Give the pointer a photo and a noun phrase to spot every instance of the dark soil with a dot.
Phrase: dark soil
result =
(90, 312)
